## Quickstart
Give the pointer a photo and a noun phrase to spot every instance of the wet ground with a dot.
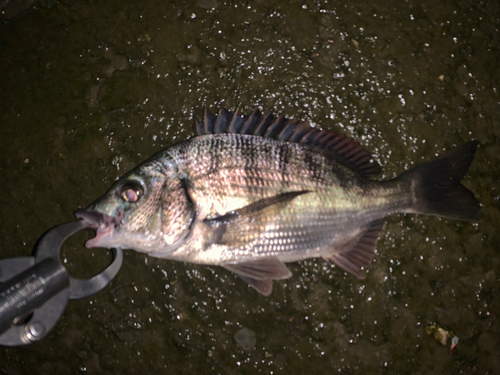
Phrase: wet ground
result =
(90, 89)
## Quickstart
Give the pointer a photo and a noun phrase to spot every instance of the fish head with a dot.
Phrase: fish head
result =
(147, 210)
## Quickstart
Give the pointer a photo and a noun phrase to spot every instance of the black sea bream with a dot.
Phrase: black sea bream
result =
(250, 193)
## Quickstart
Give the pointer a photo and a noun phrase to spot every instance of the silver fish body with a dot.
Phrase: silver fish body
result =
(251, 193)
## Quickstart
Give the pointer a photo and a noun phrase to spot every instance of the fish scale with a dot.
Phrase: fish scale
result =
(250, 193)
(338, 200)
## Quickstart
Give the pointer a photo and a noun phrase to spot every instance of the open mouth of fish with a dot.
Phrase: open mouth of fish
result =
(104, 225)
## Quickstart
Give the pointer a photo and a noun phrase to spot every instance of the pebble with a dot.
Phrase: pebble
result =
(245, 338)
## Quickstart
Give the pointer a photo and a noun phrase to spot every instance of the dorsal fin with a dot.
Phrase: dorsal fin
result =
(221, 121)
(208, 122)
(342, 148)
(251, 122)
(236, 121)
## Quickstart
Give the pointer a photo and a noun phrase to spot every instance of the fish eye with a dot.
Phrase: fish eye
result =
(131, 192)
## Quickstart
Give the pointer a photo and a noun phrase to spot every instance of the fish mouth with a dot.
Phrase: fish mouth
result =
(104, 225)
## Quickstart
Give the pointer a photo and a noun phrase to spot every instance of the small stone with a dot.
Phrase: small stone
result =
(246, 339)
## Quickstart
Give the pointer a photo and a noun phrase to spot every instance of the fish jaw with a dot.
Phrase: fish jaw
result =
(104, 225)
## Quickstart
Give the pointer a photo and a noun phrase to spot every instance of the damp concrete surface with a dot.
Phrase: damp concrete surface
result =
(89, 89)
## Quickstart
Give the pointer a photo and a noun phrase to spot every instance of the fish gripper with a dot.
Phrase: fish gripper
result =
(34, 290)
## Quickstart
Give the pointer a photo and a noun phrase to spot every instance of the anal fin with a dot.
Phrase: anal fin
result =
(260, 273)
(358, 251)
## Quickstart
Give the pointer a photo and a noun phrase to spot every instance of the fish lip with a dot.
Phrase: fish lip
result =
(104, 225)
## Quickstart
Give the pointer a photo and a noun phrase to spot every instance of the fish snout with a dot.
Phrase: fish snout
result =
(97, 220)
(103, 224)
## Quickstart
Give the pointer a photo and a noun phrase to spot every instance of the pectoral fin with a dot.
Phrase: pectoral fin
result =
(260, 273)
(358, 250)
(245, 225)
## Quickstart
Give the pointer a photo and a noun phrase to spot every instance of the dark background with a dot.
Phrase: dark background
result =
(88, 89)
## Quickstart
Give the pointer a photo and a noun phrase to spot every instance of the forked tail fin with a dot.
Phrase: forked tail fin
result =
(437, 189)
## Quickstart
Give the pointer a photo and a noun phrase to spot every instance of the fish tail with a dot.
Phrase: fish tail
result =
(437, 189)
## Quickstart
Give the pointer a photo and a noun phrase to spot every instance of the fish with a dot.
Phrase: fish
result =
(253, 192)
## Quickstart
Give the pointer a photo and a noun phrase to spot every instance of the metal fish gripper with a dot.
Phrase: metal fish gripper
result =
(35, 290)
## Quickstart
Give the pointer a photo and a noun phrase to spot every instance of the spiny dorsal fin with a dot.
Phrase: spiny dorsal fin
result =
(341, 147)
(251, 122)
(197, 126)
(236, 121)
(221, 121)
(208, 122)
